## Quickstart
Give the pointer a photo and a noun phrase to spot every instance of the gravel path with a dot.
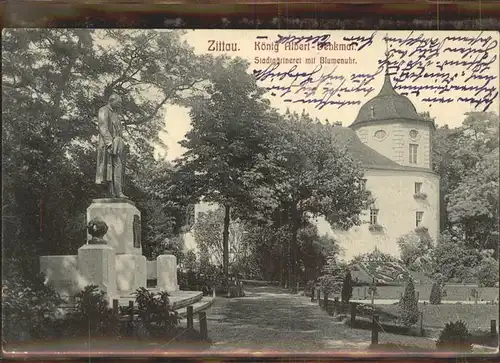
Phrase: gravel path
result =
(270, 319)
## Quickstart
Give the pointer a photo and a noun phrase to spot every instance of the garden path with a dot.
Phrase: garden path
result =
(269, 319)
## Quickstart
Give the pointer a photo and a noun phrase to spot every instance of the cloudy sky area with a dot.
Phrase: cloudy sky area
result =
(177, 121)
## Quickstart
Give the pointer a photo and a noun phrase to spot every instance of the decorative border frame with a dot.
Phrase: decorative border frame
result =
(252, 14)
(260, 14)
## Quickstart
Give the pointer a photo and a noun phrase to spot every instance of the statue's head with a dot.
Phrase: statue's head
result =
(115, 100)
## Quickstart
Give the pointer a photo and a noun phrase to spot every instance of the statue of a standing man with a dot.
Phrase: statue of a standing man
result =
(111, 151)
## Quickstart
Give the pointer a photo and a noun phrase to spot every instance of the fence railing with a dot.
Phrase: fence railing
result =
(335, 306)
(133, 314)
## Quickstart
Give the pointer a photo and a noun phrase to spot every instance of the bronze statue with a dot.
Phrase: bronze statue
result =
(111, 151)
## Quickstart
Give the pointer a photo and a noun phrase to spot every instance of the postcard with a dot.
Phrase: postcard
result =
(249, 192)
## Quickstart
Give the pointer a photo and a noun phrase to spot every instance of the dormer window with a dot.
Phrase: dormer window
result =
(372, 112)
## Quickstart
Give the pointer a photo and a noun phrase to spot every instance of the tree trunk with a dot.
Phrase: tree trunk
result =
(225, 242)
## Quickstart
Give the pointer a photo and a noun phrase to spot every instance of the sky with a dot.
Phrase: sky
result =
(443, 63)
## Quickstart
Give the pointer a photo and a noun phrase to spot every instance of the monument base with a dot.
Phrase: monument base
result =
(97, 266)
(123, 220)
(166, 272)
(62, 275)
(131, 273)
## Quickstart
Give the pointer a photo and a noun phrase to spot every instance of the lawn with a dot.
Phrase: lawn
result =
(477, 317)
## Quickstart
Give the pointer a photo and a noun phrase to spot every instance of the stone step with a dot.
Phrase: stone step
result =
(201, 305)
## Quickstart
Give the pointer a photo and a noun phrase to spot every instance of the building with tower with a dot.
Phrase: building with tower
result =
(393, 143)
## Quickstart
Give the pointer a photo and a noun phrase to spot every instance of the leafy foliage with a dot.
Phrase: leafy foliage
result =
(208, 232)
(92, 315)
(347, 287)
(312, 176)
(225, 142)
(436, 294)
(466, 158)
(156, 313)
(409, 306)
(333, 274)
(457, 262)
(455, 337)
(487, 272)
(415, 248)
(53, 83)
(29, 308)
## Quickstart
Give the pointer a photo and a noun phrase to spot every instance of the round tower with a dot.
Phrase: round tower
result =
(390, 124)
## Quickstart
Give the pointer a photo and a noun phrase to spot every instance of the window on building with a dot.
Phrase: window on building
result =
(363, 184)
(418, 188)
(419, 218)
(413, 153)
(373, 216)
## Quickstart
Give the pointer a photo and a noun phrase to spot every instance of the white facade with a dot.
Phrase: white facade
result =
(398, 138)
(397, 211)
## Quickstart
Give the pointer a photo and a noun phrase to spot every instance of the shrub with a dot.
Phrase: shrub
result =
(436, 294)
(455, 337)
(92, 315)
(347, 287)
(156, 313)
(487, 272)
(333, 272)
(29, 308)
(409, 306)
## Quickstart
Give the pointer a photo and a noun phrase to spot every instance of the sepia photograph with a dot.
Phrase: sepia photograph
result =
(249, 192)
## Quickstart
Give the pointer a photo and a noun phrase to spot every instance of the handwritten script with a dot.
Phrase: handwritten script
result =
(444, 69)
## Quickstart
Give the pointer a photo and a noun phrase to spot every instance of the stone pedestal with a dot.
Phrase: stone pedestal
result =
(131, 273)
(166, 272)
(61, 274)
(124, 223)
(96, 265)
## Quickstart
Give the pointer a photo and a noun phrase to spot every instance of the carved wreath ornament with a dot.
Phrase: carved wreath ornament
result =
(97, 228)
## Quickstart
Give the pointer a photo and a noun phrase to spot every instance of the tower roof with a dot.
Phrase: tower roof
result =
(386, 106)
(366, 155)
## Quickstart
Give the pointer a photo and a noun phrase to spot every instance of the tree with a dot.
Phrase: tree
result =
(414, 248)
(487, 273)
(453, 259)
(467, 156)
(225, 142)
(54, 81)
(473, 205)
(313, 176)
(313, 251)
(435, 296)
(347, 287)
(409, 305)
(208, 232)
(190, 261)
(333, 274)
